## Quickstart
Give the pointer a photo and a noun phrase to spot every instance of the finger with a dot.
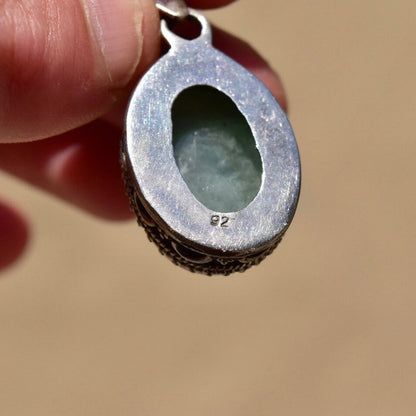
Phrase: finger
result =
(81, 166)
(65, 62)
(240, 51)
(13, 235)
(208, 4)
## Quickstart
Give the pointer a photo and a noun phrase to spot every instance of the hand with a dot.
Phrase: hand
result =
(68, 69)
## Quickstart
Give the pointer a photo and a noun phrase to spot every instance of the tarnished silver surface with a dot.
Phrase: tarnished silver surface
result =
(189, 233)
(173, 8)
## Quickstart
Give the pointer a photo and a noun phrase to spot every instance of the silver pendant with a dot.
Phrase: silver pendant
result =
(185, 230)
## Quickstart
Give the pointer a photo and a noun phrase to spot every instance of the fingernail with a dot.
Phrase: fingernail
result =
(116, 30)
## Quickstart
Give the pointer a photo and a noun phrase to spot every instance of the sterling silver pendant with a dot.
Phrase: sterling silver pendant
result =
(191, 234)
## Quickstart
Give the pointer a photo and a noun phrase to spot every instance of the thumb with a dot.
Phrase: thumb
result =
(64, 63)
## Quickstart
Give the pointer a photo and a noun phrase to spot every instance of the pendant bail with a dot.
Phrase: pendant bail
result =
(173, 8)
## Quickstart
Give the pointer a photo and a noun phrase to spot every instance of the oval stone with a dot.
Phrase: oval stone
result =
(215, 150)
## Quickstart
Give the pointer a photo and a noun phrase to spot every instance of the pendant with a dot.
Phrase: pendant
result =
(209, 159)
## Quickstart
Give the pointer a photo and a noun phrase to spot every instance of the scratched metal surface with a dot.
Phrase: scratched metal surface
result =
(150, 149)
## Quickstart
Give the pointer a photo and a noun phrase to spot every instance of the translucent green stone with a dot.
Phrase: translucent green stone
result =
(215, 149)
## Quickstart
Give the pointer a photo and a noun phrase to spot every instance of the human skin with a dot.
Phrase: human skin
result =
(67, 70)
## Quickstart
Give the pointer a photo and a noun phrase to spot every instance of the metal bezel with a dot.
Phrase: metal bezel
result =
(150, 158)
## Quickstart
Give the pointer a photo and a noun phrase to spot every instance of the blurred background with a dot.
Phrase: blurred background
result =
(93, 321)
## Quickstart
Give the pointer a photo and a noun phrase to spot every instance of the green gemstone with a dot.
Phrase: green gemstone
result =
(215, 149)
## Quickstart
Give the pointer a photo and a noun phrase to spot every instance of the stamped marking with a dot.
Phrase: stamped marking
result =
(222, 221)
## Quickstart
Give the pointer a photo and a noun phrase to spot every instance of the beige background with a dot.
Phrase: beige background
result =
(94, 322)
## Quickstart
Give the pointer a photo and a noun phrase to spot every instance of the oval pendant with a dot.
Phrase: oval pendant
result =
(193, 230)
